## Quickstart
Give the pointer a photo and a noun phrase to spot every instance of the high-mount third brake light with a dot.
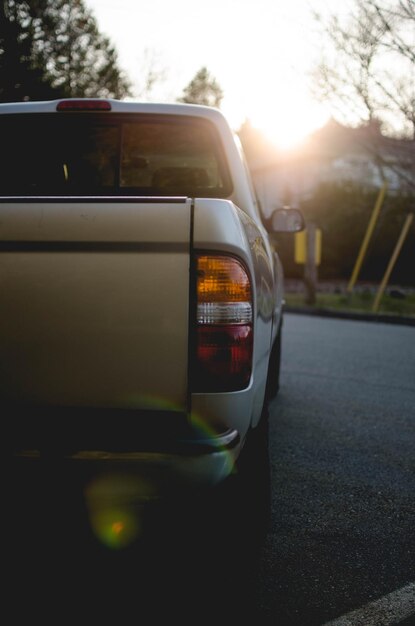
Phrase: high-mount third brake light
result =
(223, 325)
(83, 105)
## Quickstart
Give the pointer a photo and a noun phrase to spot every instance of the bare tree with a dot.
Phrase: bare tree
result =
(151, 74)
(369, 70)
(368, 74)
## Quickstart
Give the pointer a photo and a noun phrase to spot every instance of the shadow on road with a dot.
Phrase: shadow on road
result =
(192, 558)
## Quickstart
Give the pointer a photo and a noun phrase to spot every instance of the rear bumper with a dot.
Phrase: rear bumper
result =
(162, 448)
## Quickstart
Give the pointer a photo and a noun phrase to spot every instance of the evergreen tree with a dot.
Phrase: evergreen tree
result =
(203, 89)
(57, 50)
(20, 76)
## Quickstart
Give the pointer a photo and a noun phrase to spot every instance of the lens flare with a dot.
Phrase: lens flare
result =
(115, 528)
(114, 503)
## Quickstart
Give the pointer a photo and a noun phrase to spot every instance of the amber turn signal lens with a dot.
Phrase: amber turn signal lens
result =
(222, 279)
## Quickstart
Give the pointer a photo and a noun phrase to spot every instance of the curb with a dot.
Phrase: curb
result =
(349, 315)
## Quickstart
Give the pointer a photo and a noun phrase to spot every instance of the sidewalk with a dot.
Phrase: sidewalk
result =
(339, 288)
(383, 318)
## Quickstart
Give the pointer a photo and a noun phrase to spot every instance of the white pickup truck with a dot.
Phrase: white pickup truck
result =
(140, 298)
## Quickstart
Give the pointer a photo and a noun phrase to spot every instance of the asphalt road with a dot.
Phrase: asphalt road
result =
(342, 446)
(329, 529)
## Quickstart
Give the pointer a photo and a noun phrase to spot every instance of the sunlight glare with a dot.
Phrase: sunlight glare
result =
(287, 125)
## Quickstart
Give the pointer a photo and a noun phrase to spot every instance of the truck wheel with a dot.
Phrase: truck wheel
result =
(253, 479)
(274, 367)
(246, 494)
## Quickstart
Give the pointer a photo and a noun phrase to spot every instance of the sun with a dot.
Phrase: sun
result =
(288, 124)
(286, 119)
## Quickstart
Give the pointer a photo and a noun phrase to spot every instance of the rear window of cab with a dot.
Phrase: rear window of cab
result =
(99, 154)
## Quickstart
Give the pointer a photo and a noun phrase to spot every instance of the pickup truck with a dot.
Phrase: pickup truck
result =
(141, 300)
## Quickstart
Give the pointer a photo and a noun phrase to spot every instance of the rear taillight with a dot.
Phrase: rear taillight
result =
(223, 324)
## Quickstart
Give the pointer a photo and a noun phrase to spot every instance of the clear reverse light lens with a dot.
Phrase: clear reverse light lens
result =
(224, 313)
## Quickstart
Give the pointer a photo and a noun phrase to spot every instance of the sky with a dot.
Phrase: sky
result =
(261, 52)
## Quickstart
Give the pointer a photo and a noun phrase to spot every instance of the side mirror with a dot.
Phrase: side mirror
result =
(285, 220)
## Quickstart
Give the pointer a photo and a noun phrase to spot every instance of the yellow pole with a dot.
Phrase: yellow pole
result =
(368, 234)
(392, 261)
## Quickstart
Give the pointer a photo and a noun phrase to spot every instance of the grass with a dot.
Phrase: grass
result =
(359, 302)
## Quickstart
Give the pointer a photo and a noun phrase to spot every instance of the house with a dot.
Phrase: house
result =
(334, 153)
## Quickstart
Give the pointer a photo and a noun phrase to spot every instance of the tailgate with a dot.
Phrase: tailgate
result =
(94, 301)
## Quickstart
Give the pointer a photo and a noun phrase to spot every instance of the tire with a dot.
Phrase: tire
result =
(274, 368)
(246, 495)
(253, 464)
(255, 484)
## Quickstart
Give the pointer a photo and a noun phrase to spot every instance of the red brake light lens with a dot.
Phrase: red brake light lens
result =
(84, 105)
(224, 340)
